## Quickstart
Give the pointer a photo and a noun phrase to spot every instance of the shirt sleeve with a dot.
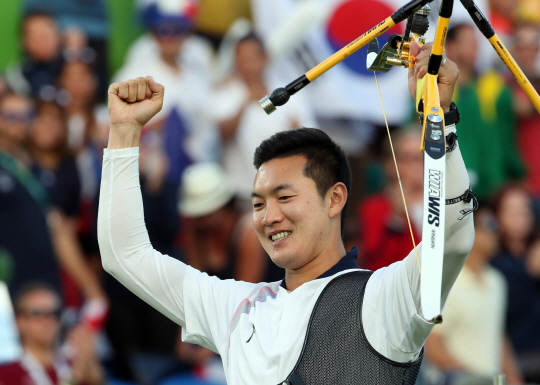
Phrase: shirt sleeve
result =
(125, 247)
(392, 314)
(209, 304)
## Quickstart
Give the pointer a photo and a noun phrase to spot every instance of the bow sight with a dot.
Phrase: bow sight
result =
(397, 51)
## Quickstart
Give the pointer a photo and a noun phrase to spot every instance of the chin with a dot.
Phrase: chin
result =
(283, 260)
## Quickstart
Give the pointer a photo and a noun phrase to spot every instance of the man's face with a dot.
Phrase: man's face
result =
(289, 216)
(464, 50)
(38, 318)
(251, 60)
(41, 38)
(15, 117)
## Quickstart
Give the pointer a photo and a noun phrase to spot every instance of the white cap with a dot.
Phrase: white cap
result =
(204, 189)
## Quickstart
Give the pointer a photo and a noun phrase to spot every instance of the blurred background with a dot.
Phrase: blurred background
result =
(63, 319)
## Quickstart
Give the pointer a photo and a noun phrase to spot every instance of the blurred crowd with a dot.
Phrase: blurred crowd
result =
(217, 59)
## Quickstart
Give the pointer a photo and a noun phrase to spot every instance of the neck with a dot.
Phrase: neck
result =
(316, 267)
(465, 75)
(44, 355)
(171, 62)
(46, 159)
(517, 247)
(476, 262)
(75, 107)
(7, 145)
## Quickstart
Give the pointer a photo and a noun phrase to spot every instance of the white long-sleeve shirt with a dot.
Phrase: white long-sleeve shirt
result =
(224, 315)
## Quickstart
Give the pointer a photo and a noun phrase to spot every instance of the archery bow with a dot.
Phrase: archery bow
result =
(433, 145)
(397, 52)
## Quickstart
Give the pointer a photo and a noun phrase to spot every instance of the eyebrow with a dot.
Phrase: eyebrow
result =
(283, 186)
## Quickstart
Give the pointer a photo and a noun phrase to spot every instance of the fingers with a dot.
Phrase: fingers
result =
(422, 60)
(449, 70)
(141, 88)
(136, 90)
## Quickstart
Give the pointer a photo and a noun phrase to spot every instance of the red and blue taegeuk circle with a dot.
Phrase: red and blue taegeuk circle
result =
(353, 18)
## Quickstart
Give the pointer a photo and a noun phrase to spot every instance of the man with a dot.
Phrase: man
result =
(299, 203)
(36, 234)
(42, 41)
(242, 123)
(488, 115)
(38, 310)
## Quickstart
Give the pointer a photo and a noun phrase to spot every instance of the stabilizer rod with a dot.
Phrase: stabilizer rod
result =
(487, 30)
(280, 96)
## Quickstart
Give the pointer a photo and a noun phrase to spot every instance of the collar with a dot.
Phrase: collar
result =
(346, 263)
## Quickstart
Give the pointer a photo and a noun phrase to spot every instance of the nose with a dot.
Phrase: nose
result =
(272, 214)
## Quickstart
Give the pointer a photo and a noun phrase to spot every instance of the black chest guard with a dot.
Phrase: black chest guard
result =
(336, 350)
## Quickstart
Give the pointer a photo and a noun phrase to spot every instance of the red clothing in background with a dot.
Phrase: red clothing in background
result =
(15, 374)
(528, 134)
(384, 237)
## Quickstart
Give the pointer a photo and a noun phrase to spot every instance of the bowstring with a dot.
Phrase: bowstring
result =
(397, 171)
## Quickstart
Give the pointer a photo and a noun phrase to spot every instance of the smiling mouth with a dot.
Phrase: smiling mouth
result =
(280, 236)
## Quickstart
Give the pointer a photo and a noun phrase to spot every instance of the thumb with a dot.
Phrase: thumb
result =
(154, 86)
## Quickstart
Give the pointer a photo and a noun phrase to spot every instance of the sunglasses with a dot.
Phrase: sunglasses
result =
(41, 313)
(10, 116)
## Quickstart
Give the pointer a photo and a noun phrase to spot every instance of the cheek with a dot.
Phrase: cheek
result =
(256, 222)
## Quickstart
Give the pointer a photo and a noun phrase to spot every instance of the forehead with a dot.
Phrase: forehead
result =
(39, 298)
(282, 171)
(15, 102)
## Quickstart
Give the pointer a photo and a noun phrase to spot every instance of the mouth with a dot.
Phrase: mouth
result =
(278, 237)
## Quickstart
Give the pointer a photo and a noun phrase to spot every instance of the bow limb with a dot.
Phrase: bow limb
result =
(434, 147)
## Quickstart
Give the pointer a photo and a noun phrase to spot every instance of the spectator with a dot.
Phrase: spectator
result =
(189, 97)
(56, 170)
(81, 19)
(470, 343)
(243, 124)
(196, 53)
(34, 229)
(502, 16)
(487, 118)
(525, 48)
(87, 133)
(23, 200)
(384, 229)
(516, 225)
(42, 61)
(38, 310)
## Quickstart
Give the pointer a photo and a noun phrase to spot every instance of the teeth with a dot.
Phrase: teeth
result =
(280, 236)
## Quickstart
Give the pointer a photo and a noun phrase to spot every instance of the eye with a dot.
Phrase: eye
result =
(257, 205)
(285, 197)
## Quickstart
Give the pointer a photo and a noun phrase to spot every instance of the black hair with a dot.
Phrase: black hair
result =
(36, 12)
(252, 36)
(327, 163)
(29, 288)
(11, 94)
(455, 30)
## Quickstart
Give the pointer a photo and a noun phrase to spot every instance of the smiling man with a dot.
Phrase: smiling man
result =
(327, 322)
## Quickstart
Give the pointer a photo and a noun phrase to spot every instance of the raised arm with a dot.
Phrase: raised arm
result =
(392, 312)
(126, 251)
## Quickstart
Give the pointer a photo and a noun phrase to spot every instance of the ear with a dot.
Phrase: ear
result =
(337, 195)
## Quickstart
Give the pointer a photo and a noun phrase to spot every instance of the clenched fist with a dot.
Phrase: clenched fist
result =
(448, 74)
(131, 105)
